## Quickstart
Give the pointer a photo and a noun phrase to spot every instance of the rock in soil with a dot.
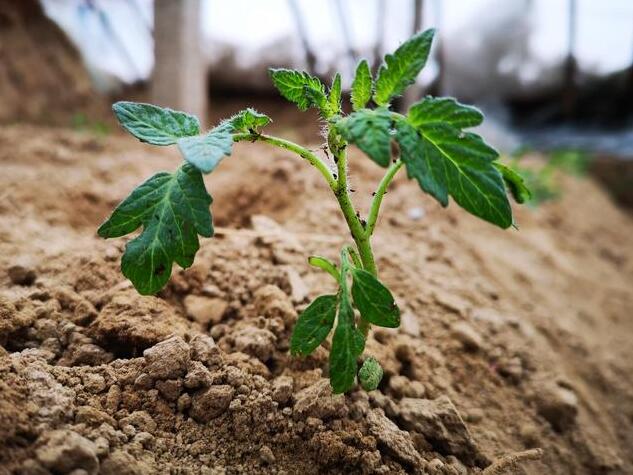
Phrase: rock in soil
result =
(318, 401)
(65, 451)
(396, 442)
(22, 274)
(257, 342)
(168, 359)
(467, 336)
(557, 404)
(442, 426)
(209, 403)
(205, 310)
(132, 322)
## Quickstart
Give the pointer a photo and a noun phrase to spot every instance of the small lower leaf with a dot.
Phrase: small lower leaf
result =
(373, 300)
(348, 342)
(347, 345)
(370, 374)
(313, 325)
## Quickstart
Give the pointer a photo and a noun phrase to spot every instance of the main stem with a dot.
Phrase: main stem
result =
(361, 232)
(356, 227)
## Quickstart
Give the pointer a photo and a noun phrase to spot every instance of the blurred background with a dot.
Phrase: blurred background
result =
(554, 76)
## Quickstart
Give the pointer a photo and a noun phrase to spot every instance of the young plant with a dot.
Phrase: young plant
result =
(445, 160)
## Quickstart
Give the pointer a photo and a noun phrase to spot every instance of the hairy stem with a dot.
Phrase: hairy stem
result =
(353, 221)
(360, 233)
(378, 195)
(293, 147)
(360, 236)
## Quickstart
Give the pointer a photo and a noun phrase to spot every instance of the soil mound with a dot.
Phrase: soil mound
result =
(42, 78)
(511, 341)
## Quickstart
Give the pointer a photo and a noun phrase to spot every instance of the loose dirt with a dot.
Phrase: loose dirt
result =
(511, 340)
(42, 78)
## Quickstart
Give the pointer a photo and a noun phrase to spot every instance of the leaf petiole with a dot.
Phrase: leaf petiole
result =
(293, 147)
(378, 195)
(326, 265)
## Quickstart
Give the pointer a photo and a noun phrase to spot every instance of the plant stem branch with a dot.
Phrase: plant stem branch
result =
(378, 195)
(293, 147)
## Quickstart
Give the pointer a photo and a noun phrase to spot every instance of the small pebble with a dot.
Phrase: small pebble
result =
(266, 454)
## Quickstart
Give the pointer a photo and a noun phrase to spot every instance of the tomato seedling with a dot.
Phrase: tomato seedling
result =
(173, 208)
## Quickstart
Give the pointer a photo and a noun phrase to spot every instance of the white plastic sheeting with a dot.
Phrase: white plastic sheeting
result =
(499, 45)
(114, 37)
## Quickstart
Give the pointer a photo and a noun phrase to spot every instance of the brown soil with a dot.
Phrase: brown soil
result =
(42, 77)
(511, 340)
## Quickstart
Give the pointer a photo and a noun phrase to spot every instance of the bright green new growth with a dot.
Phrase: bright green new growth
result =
(370, 374)
(445, 160)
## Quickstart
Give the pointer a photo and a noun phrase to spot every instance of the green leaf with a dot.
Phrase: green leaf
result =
(370, 374)
(361, 86)
(445, 160)
(205, 151)
(155, 125)
(423, 166)
(369, 130)
(515, 183)
(334, 99)
(299, 87)
(439, 110)
(173, 209)
(402, 67)
(373, 300)
(248, 120)
(348, 342)
(313, 325)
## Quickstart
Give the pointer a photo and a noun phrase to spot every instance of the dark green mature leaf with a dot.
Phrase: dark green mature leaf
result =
(334, 99)
(402, 67)
(370, 374)
(373, 300)
(248, 120)
(205, 151)
(155, 125)
(300, 88)
(445, 160)
(438, 110)
(361, 86)
(421, 165)
(515, 183)
(173, 209)
(348, 342)
(313, 325)
(369, 130)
